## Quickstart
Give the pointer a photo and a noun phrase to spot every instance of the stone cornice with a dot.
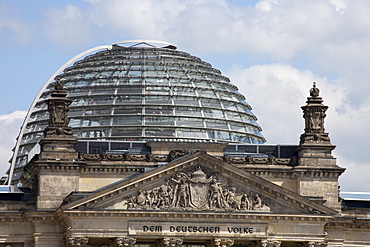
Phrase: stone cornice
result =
(27, 216)
(296, 172)
(91, 167)
(349, 223)
(191, 215)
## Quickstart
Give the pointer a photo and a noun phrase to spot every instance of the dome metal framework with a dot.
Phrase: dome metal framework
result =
(144, 93)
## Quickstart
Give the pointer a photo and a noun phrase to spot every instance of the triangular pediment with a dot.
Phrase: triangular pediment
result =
(198, 182)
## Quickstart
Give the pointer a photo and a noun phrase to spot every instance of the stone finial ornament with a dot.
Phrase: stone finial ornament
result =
(58, 142)
(315, 142)
(58, 107)
(314, 91)
(58, 84)
(314, 114)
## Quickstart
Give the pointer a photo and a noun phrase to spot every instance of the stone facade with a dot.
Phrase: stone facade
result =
(182, 194)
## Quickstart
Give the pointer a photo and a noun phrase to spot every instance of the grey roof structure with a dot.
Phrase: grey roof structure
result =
(143, 92)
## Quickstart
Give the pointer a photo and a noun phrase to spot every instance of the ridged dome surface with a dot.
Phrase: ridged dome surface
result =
(146, 93)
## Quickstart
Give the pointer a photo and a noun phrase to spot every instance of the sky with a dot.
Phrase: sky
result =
(273, 50)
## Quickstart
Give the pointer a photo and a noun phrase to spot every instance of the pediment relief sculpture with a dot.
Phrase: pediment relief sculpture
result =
(197, 182)
(196, 189)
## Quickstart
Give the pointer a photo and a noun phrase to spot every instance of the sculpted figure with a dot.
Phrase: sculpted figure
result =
(258, 205)
(315, 121)
(216, 198)
(182, 195)
(246, 203)
(165, 194)
(257, 202)
(131, 203)
(58, 113)
(154, 197)
(232, 200)
(58, 84)
(142, 199)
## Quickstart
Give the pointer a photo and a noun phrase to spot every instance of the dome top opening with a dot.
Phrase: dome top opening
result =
(143, 43)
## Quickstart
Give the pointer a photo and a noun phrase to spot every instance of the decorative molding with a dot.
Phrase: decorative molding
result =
(270, 243)
(223, 242)
(201, 215)
(313, 244)
(77, 241)
(124, 242)
(312, 172)
(270, 160)
(171, 242)
(82, 168)
(176, 154)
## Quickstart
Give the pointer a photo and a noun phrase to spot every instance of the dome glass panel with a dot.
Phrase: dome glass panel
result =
(145, 94)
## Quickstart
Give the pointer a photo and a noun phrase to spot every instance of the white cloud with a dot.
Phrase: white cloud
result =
(67, 27)
(280, 29)
(19, 29)
(9, 130)
(329, 39)
(356, 176)
(277, 91)
(340, 5)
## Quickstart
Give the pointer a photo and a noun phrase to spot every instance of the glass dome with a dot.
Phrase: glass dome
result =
(145, 93)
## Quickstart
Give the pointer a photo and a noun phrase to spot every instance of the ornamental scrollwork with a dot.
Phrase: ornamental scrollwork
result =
(196, 191)
(175, 154)
(270, 160)
(270, 243)
(313, 244)
(223, 242)
(172, 242)
(317, 244)
(124, 242)
(77, 241)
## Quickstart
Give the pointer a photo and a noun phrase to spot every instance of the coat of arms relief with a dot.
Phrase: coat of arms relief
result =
(195, 190)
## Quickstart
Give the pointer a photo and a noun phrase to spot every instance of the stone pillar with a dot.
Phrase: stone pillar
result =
(270, 243)
(220, 242)
(171, 242)
(77, 241)
(314, 142)
(124, 242)
(57, 150)
(315, 155)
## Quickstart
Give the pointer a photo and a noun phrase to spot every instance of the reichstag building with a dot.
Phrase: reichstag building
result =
(138, 144)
